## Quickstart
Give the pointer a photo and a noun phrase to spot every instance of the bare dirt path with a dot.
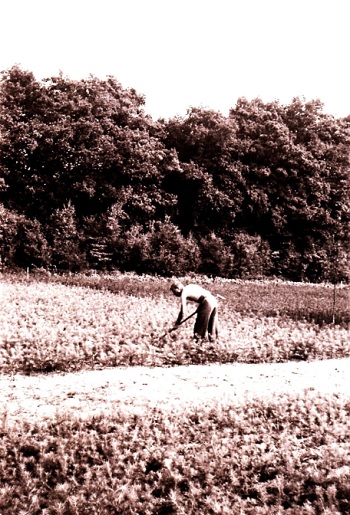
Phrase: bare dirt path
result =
(93, 392)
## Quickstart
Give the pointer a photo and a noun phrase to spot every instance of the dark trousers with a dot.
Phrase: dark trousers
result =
(207, 319)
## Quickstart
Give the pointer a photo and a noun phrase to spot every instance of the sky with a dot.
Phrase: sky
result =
(183, 53)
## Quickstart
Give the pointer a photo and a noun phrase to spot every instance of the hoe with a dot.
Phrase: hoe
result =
(174, 328)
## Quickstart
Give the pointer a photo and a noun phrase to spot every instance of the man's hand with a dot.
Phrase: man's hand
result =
(179, 318)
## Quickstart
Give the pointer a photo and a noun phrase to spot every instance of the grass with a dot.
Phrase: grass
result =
(291, 455)
(298, 301)
(119, 321)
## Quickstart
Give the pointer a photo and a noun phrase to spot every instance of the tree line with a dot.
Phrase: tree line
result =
(89, 180)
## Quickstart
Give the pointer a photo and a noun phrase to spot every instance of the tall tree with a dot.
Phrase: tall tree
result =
(208, 182)
(78, 141)
(297, 192)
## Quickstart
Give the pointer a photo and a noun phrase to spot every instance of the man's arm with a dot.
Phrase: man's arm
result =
(182, 308)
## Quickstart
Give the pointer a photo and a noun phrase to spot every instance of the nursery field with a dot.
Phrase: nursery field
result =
(263, 451)
(119, 321)
(286, 455)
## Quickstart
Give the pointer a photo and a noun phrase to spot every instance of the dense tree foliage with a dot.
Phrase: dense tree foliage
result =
(87, 179)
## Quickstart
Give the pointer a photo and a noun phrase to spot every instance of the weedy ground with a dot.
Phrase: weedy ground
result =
(120, 321)
(289, 454)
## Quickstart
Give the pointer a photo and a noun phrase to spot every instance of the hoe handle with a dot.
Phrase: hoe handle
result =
(182, 322)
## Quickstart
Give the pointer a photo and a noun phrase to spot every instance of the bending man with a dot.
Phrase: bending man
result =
(207, 312)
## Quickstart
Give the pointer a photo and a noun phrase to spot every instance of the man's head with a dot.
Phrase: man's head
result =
(177, 288)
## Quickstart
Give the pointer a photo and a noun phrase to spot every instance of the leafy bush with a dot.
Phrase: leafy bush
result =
(9, 221)
(32, 249)
(22, 241)
(168, 252)
(160, 250)
(216, 257)
(252, 256)
(65, 240)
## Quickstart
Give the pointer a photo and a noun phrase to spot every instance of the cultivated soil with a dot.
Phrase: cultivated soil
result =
(89, 393)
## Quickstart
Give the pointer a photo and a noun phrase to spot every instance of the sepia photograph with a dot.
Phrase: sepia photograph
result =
(174, 257)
